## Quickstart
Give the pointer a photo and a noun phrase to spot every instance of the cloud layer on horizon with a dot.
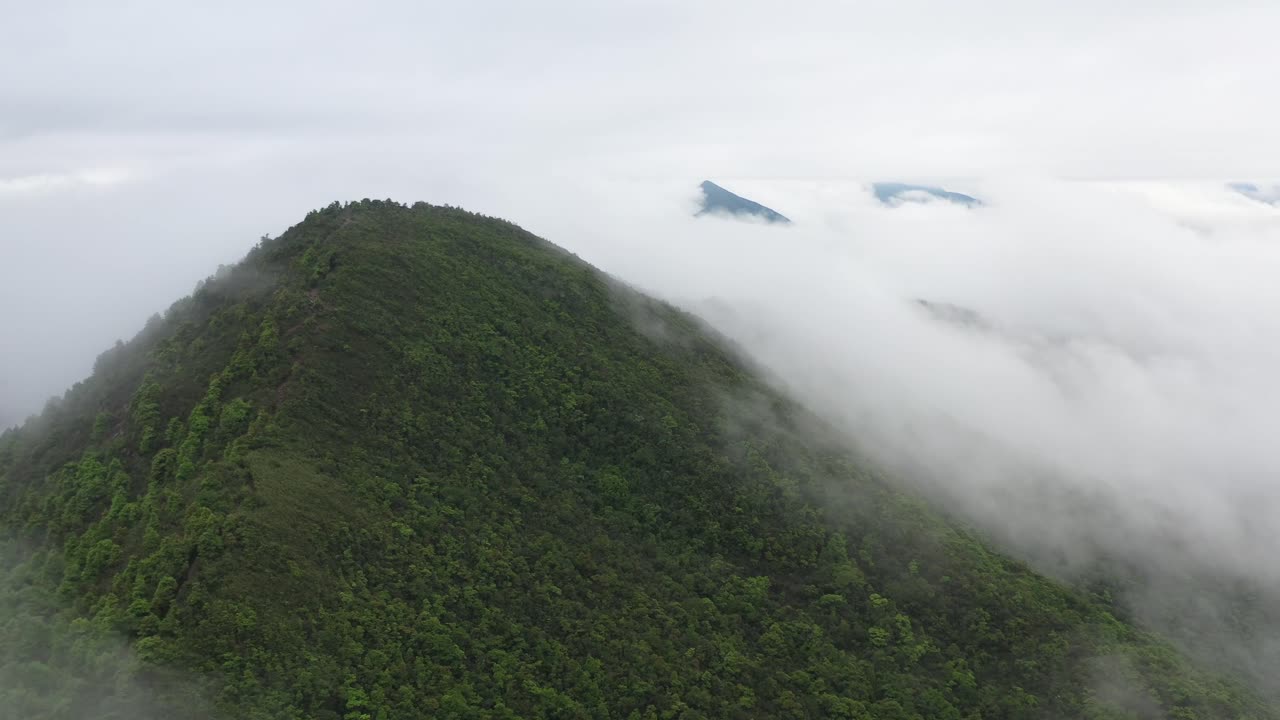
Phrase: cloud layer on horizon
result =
(1113, 407)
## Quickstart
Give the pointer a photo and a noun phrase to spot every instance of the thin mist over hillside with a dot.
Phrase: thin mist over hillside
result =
(1115, 406)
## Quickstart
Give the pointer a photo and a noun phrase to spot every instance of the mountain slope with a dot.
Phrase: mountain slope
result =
(717, 200)
(414, 462)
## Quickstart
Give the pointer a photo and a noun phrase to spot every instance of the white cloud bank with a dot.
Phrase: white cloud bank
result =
(1118, 400)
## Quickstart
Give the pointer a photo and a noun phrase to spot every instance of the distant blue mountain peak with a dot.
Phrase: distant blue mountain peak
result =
(896, 193)
(717, 200)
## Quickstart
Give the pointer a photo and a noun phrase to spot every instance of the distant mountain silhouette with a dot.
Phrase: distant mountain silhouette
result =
(718, 200)
(894, 193)
(954, 314)
(1270, 196)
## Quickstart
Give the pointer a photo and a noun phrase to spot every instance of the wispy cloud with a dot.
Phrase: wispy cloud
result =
(1116, 401)
(45, 182)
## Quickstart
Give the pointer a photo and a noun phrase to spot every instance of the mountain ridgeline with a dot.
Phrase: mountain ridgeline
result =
(412, 462)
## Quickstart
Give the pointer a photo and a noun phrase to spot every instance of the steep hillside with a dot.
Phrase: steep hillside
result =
(415, 462)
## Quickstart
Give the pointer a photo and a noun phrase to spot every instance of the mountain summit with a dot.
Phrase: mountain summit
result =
(412, 462)
(717, 200)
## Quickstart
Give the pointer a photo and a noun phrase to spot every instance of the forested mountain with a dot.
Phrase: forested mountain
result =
(717, 200)
(412, 462)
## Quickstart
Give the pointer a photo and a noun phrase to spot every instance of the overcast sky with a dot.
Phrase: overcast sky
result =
(143, 143)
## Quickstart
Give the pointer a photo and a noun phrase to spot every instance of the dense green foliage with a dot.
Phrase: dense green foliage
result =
(414, 462)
